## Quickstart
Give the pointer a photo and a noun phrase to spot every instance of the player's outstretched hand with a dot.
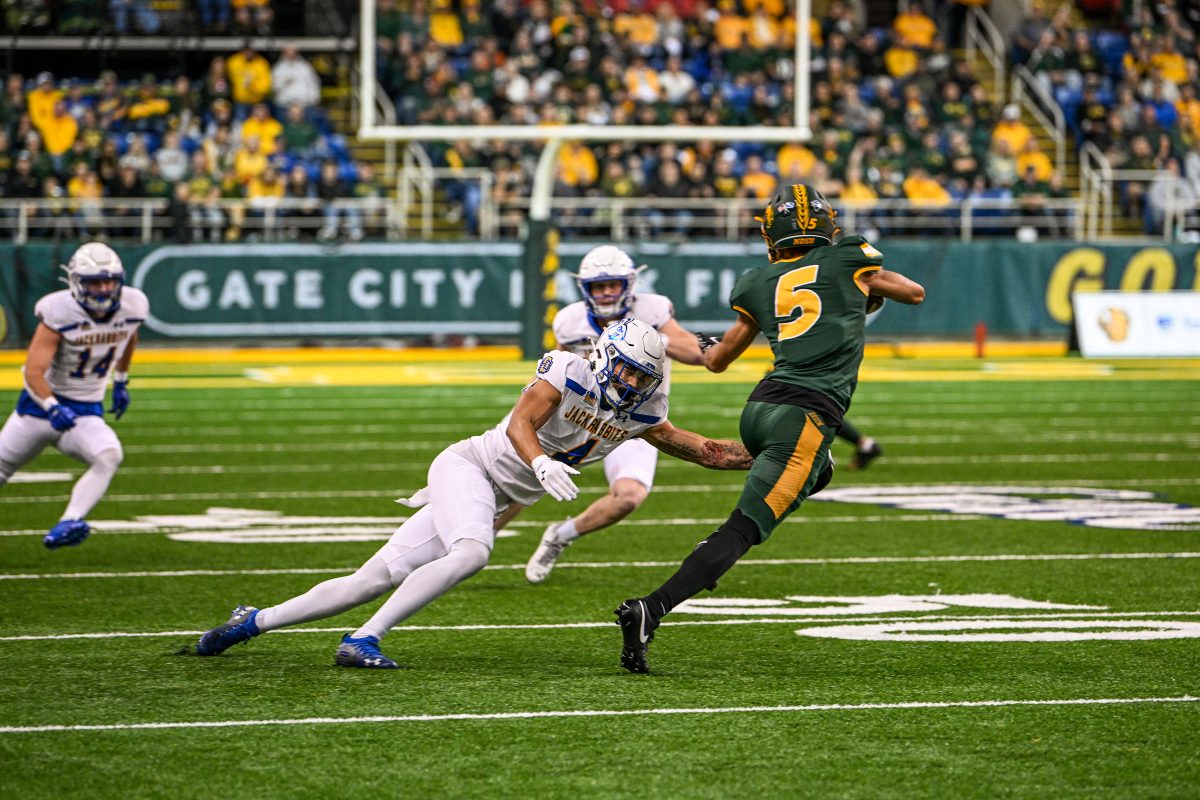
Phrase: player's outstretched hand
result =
(120, 398)
(555, 478)
(707, 341)
(62, 418)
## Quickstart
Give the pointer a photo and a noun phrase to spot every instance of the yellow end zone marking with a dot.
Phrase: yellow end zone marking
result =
(501, 366)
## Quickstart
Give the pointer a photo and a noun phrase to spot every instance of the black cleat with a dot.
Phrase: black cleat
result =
(863, 458)
(637, 628)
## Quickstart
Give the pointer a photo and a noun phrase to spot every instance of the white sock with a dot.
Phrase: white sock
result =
(566, 531)
(329, 598)
(866, 444)
(92, 484)
(426, 584)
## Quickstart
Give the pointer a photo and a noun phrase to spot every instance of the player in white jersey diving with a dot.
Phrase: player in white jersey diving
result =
(85, 333)
(607, 280)
(574, 412)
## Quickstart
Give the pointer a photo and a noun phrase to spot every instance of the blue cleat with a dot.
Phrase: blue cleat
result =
(67, 533)
(363, 652)
(238, 629)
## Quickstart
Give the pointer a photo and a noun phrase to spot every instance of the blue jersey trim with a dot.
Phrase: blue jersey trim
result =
(575, 387)
(596, 326)
(135, 319)
(646, 418)
(27, 407)
(70, 327)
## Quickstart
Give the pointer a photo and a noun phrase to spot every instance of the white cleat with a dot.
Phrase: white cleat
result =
(546, 555)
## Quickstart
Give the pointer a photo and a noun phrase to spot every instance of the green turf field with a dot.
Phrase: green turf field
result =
(1007, 604)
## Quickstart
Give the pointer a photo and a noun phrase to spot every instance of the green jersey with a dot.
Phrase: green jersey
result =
(813, 311)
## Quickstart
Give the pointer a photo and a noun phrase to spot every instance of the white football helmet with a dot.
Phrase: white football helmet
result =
(627, 361)
(607, 263)
(95, 261)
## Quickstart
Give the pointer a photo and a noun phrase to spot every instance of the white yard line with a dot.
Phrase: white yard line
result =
(544, 626)
(632, 712)
(746, 562)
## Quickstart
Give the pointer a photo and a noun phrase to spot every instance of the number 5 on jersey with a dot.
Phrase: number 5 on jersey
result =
(789, 298)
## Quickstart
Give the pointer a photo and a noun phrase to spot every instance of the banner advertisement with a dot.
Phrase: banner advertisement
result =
(230, 291)
(1115, 324)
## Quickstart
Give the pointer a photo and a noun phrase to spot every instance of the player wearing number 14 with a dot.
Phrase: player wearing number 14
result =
(85, 334)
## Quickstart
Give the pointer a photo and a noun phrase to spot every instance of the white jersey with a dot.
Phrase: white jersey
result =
(581, 430)
(576, 329)
(89, 349)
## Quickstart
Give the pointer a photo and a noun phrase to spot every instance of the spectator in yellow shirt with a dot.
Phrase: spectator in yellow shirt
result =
(577, 165)
(640, 26)
(149, 112)
(923, 190)
(264, 127)
(857, 193)
(59, 131)
(1032, 156)
(1011, 129)
(913, 26)
(444, 25)
(730, 27)
(794, 162)
(40, 101)
(764, 30)
(1172, 64)
(642, 83)
(1188, 105)
(250, 161)
(901, 59)
(249, 76)
(756, 182)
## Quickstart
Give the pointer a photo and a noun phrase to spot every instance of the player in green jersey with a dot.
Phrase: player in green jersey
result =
(811, 303)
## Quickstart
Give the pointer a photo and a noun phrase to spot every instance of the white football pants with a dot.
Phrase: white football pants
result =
(437, 548)
(91, 442)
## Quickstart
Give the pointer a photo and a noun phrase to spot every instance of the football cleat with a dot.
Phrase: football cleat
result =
(546, 555)
(67, 533)
(637, 629)
(362, 652)
(238, 629)
(863, 458)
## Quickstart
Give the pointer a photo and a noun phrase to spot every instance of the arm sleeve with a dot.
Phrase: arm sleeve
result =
(656, 310)
(51, 313)
(861, 253)
(554, 367)
(739, 298)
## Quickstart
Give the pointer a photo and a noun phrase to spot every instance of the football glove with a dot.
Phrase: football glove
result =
(874, 303)
(61, 418)
(555, 477)
(120, 398)
(707, 341)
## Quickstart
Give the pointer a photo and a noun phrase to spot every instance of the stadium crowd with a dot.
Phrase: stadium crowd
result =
(138, 17)
(247, 132)
(1133, 93)
(897, 112)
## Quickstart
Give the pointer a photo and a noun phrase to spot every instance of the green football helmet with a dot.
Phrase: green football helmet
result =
(797, 216)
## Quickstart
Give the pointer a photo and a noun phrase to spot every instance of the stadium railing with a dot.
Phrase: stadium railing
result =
(616, 219)
(984, 37)
(1095, 186)
(1029, 94)
(148, 220)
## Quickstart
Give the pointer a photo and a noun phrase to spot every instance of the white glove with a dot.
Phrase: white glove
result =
(555, 477)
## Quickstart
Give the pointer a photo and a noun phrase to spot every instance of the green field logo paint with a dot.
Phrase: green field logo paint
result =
(1097, 508)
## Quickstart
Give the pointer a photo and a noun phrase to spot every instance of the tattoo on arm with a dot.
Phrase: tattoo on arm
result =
(711, 453)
